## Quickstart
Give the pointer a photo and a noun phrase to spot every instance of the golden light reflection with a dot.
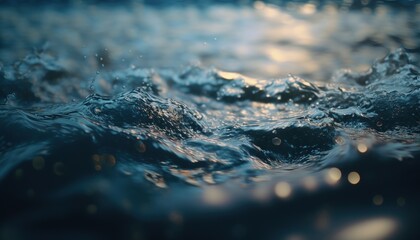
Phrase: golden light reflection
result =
(308, 9)
(155, 178)
(286, 55)
(283, 190)
(261, 193)
(234, 76)
(333, 176)
(353, 178)
(377, 228)
(330, 9)
(103, 160)
(362, 148)
(208, 178)
(340, 140)
(215, 196)
(259, 5)
(268, 10)
(310, 183)
(191, 180)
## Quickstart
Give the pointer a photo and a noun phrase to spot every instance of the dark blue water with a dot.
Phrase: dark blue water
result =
(110, 141)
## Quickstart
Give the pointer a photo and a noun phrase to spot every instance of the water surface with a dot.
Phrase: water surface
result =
(222, 120)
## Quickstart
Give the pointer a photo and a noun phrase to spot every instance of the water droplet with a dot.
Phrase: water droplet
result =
(362, 148)
(283, 189)
(91, 86)
(340, 140)
(333, 176)
(276, 141)
(353, 178)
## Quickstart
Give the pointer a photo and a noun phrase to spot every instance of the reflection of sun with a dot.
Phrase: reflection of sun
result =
(377, 228)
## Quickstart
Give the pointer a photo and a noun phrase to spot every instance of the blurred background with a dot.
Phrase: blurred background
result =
(262, 39)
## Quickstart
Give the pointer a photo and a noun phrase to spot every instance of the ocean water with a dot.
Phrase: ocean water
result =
(209, 120)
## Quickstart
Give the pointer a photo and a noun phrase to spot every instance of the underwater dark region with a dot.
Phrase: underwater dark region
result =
(209, 119)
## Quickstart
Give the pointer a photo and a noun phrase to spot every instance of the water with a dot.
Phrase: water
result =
(242, 121)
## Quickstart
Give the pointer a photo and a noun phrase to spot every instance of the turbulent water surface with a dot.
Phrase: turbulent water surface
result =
(256, 121)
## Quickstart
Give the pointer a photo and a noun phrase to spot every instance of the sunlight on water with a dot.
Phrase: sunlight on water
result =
(374, 229)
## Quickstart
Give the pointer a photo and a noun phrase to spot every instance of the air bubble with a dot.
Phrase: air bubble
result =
(276, 141)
